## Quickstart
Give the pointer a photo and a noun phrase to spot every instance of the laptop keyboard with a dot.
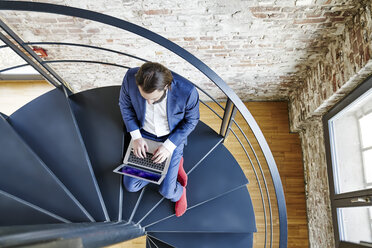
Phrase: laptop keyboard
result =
(145, 162)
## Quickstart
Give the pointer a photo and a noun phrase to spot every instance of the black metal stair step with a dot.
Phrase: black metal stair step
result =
(9, 231)
(148, 244)
(92, 235)
(49, 128)
(25, 176)
(99, 119)
(156, 243)
(130, 201)
(216, 175)
(15, 211)
(4, 115)
(204, 240)
(201, 142)
(230, 213)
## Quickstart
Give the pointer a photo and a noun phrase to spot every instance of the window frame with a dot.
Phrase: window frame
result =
(343, 199)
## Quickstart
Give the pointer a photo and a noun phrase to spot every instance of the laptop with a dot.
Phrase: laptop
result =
(144, 168)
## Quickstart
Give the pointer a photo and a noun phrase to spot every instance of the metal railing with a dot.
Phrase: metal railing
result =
(233, 105)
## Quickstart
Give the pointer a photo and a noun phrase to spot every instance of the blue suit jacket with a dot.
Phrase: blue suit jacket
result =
(182, 106)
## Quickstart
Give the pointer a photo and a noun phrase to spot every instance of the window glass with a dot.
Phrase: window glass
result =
(367, 162)
(366, 130)
(351, 145)
(355, 224)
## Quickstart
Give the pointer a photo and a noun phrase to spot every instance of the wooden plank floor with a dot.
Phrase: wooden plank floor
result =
(14, 94)
(272, 118)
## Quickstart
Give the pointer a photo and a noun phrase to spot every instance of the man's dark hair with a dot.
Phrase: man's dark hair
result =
(153, 76)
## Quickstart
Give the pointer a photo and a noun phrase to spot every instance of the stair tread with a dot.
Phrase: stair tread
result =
(47, 126)
(22, 213)
(23, 174)
(210, 139)
(98, 234)
(99, 119)
(200, 187)
(230, 213)
(156, 243)
(205, 240)
(22, 229)
(148, 243)
(202, 140)
(129, 201)
(4, 115)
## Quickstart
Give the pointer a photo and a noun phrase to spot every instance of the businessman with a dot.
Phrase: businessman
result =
(160, 105)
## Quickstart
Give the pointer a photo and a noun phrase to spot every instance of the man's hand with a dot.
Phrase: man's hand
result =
(160, 154)
(140, 148)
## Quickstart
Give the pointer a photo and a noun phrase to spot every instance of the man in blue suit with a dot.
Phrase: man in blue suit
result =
(160, 105)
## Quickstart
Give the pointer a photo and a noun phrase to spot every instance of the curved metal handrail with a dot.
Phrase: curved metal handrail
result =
(13, 67)
(211, 109)
(252, 165)
(67, 61)
(86, 46)
(93, 47)
(238, 139)
(83, 61)
(260, 188)
(198, 64)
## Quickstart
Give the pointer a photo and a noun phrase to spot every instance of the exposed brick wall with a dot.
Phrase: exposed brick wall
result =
(344, 65)
(257, 47)
(316, 185)
(9, 58)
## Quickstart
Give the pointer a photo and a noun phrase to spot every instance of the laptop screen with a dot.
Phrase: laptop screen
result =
(140, 173)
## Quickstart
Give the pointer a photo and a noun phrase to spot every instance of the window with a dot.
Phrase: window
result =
(365, 126)
(348, 136)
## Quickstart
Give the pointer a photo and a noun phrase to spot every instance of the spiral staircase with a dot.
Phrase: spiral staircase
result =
(57, 154)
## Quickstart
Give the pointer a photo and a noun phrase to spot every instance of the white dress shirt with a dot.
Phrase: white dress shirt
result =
(156, 122)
